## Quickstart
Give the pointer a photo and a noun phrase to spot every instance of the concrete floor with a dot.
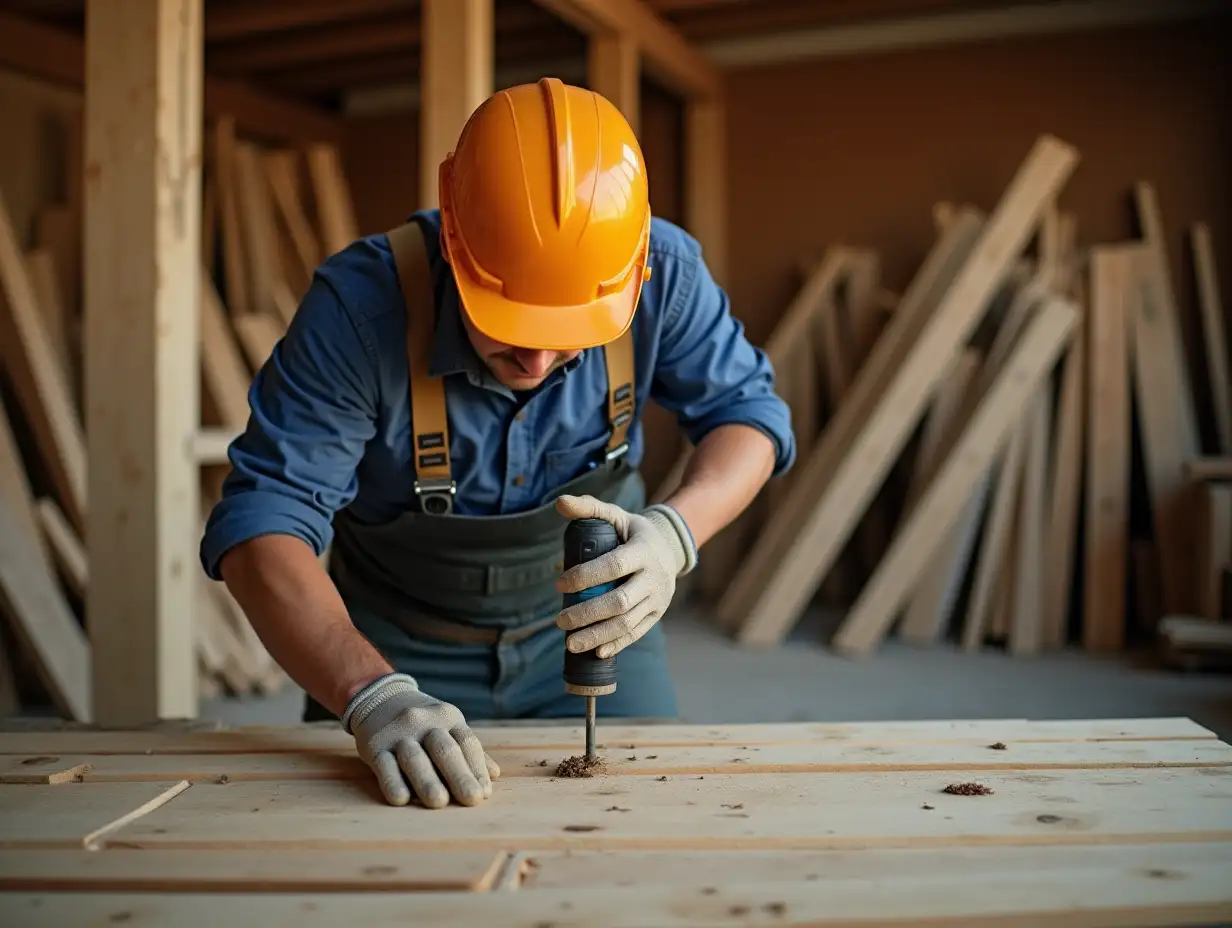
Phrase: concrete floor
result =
(801, 681)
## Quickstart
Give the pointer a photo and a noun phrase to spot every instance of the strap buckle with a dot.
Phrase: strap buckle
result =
(618, 452)
(436, 495)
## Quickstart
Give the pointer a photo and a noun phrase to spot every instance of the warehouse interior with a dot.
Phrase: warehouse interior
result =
(820, 152)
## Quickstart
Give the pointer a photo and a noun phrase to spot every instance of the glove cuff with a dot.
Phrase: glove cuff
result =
(375, 694)
(676, 529)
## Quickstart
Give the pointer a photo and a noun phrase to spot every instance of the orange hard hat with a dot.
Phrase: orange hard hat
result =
(545, 217)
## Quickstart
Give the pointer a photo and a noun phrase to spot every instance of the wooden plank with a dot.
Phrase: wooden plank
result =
(1152, 896)
(456, 61)
(1164, 399)
(234, 261)
(254, 872)
(69, 552)
(1026, 624)
(1066, 489)
(994, 552)
(224, 372)
(335, 211)
(303, 738)
(613, 70)
(667, 55)
(621, 761)
(42, 621)
(1214, 334)
(983, 438)
(16, 493)
(40, 382)
(282, 174)
(1208, 468)
(41, 266)
(1106, 535)
(256, 215)
(787, 587)
(258, 334)
(705, 200)
(67, 816)
(143, 268)
(703, 811)
(1216, 548)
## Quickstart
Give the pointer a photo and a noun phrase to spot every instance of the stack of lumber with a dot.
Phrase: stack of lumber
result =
(976, 823)
(269, 216)
(966, 449)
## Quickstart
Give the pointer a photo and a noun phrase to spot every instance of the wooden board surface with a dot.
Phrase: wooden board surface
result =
(1124, 821)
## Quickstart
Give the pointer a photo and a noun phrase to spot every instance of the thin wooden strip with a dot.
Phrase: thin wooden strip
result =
(794, 576)
(247, 872)
(1214, 335)
(69, 552)
(985, 435)
(1106, 533)
(306, 738)
(706, 811)
(1026, 624)
(1193, 894)
(63, 815)
(41, 383)
(577, 869)
(96, 838)
(345, 764)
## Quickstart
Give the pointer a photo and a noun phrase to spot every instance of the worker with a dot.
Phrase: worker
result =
(447, 396)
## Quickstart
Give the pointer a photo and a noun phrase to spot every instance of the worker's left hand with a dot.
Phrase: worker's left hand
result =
(655, 548)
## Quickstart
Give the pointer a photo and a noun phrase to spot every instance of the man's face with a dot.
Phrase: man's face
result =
(516, 368)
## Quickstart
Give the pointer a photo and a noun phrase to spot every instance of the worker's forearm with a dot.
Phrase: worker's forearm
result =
(724, 474)
(296, 611)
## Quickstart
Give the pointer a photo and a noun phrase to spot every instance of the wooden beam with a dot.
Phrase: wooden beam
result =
(143, 129)
(320, 45)
(665, 52)
(456, 76)
(613, 70)
(253, 17)
(705, 139)
(59, 58)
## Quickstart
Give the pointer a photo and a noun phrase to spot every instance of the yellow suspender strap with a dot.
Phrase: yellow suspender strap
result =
(433, 482)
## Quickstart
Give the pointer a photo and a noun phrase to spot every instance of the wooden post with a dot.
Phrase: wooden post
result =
(456, 61)
(705, 145)
(142, 253)
(614, 71)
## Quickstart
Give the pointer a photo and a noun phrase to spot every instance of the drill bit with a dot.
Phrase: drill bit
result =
(590, 728)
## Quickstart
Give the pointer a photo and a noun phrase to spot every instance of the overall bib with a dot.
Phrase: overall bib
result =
(467, 604)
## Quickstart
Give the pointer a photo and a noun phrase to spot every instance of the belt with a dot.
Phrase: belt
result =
(428, 626)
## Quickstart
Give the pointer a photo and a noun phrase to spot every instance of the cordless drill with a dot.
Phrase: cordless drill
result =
(586, 674)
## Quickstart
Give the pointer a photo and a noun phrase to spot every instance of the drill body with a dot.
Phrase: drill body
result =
(585, 673)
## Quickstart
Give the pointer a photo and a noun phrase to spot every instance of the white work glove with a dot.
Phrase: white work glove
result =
(401, 731)
(656, 547)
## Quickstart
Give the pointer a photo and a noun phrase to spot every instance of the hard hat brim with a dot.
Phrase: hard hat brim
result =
(549, 328)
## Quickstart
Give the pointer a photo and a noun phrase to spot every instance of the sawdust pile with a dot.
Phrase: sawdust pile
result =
(968, 789)
(581, 766)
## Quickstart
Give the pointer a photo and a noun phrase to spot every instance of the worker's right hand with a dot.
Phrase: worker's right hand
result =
(405, 735)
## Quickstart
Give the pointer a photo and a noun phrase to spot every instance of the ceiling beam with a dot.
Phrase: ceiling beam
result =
(317, 45)
(951, 28)
(665, 53)
(252, 17)
(59, 58)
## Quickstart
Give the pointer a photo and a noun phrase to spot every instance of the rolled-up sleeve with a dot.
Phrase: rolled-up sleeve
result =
(708, 373)
(313, 408)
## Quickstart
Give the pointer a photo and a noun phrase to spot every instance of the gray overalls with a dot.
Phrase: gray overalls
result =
(467, 604)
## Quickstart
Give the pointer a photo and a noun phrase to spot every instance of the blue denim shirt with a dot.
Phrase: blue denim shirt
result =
(330, 409)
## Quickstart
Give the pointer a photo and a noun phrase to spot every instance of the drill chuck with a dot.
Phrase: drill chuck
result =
(585, 673)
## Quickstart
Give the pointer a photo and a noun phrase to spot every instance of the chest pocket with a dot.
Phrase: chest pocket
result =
(563, 465)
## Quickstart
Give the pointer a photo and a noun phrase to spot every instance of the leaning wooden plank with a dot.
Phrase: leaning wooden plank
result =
(42, 620)
(1216, 549)
(67, 815)
(299, 739)
(720, 811)
(1106, 535)
(281, 171)
(936, 274)
(258, 334)
(235, 266)
(1188, 894)
(786, 588)
(16, 493)
(39, 380)
(1164, 401)
(249, 871)
(1065, 489)
(225, 375)
(335, 212)
(69, 552)
(1214, 335)
(994, 550)
(40, 264)
(262, 260)
(673, 760)
(982, 440)
(1026, 624)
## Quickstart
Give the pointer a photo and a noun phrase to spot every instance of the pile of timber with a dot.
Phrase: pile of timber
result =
(269, 216)
(966, 450)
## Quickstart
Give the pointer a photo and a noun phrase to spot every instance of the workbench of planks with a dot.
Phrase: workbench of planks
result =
(1104, 822)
